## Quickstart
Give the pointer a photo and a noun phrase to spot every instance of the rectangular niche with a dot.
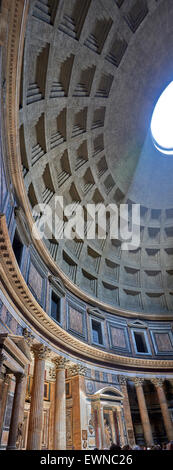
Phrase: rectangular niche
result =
(97, 334)
(141, 342)
(76, 319)
(17, 246)
(118, 338)
(55, 307)
(162, 341)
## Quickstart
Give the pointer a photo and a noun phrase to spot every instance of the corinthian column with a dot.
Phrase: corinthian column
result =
(158, 382)
(36, 410)
(60, 404)
(15, 411)
(143, 411)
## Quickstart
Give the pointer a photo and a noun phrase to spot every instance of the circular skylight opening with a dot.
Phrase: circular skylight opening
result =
(162, 122)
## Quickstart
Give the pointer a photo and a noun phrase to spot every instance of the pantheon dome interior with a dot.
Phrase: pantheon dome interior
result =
(86, 326)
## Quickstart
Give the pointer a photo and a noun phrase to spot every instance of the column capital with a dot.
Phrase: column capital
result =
(158, 381)
(60, 362)
(77, 369)
(138, 381)
(122, 379)
(19, 376)
(40, 351)
(29, 338)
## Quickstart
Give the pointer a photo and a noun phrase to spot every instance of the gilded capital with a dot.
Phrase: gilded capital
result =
(61, 362)
(139, 381)
(77, 369)
(40, 351)
(158, 381)
(122, 379)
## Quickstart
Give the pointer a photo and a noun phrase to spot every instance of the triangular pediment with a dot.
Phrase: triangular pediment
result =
(137, 324)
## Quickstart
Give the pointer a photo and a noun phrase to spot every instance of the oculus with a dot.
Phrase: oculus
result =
(162, 122)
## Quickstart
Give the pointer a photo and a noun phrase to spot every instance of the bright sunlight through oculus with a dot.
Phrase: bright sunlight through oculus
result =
(162, 122)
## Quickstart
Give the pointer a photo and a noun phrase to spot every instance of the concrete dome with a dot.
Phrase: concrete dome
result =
(92, 76)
